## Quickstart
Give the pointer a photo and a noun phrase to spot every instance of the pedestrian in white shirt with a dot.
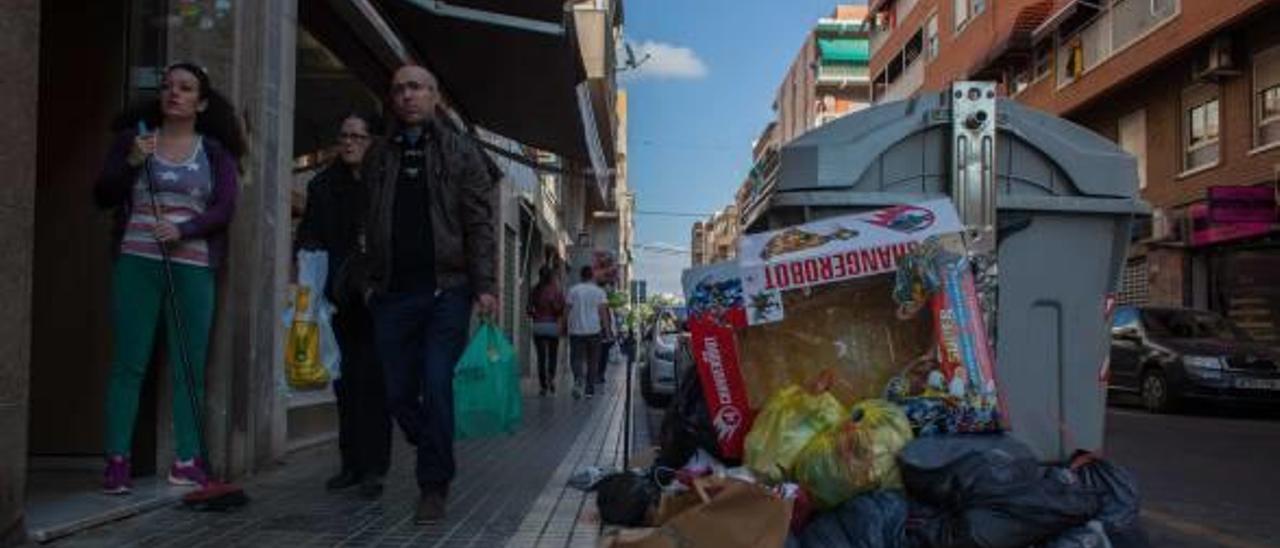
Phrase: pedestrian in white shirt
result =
(588, 324)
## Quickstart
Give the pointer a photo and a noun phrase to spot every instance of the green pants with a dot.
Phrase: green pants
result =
(139, 301)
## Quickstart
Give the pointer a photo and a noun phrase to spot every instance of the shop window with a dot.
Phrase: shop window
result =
(147, 45)
(1266, 85)
(1200, 132)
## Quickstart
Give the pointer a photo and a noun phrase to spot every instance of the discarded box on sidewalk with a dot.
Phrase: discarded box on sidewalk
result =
(717, 513)
(826, 298)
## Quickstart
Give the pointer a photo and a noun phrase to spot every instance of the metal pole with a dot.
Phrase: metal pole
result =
(626, 424)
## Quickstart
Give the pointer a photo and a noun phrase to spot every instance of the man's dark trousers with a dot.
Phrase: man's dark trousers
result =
(364, 432)
(420, 336)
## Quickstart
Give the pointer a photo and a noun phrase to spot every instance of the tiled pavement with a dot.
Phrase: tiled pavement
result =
(510, 491)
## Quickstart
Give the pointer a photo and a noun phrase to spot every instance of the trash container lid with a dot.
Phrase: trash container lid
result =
(904, 147)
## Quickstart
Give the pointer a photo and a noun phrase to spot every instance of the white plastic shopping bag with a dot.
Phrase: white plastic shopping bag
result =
(312, 357)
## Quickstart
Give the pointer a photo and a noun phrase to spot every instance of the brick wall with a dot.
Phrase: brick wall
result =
(1165, 267)
(1160, 93)
(1198, 19)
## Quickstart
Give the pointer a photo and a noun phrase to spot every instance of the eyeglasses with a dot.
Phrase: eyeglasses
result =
(344, 136)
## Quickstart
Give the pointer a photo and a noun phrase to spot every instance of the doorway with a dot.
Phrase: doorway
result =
(94, 58)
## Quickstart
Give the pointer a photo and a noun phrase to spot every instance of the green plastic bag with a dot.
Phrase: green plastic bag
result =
(855, 457)
(790, 419)
(486, 387)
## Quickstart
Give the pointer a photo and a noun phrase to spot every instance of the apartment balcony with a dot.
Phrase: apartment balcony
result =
(842, 74)
(907, 84)
(1110, 32)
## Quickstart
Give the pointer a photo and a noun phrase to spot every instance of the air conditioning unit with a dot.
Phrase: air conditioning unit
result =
(1215, 63)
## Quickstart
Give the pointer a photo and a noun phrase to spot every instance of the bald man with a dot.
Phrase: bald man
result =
(430, 249)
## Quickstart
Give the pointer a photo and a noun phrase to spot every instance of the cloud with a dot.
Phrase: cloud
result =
(665, 62)
(661, 269)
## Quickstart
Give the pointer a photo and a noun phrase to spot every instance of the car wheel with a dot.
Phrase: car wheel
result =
(1155, 392)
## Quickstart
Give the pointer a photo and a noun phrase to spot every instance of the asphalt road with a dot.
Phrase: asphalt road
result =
(1209, 476)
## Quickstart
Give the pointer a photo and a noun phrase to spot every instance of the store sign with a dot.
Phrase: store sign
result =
(1205, 231)
(1242, 204)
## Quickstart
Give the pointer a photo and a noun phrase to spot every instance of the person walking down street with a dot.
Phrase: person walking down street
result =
(546, 309)
(171, 179)
(607, 339)
(588, 324)
(431, 252)
(337, 206)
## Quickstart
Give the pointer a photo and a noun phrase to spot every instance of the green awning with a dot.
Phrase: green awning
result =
(844, 50)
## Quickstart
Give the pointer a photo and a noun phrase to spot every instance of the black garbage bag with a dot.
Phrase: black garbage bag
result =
(874, 520)
(1089, 535)
(626, 499)
(1121, 499)
(948, 471)
(1010, 515)
(686, 426)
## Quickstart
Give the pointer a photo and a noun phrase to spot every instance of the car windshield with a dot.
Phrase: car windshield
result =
(1189, 324)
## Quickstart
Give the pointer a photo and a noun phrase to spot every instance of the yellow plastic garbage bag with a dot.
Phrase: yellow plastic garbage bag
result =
(789, 420)
(855, 457)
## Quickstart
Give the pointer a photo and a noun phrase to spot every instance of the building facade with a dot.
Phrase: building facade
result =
(292, 70)
(715, 239)
(1190, 88)
(829, 78)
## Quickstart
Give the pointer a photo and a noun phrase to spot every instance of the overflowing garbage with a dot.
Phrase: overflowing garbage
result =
(845, 395)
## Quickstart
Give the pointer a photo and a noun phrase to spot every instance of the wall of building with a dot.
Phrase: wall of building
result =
(19, 38)
(1159, 92)
(795, 98)
(1198, 19)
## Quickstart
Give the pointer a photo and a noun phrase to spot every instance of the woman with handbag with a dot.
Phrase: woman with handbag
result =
(337, 200)
(171, 178)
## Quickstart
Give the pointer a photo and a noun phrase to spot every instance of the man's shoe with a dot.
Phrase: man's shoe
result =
(577, 391)
(341, 481)
(371, 487)
(430, 509)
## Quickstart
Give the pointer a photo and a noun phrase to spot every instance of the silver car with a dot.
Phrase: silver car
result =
(658, 372)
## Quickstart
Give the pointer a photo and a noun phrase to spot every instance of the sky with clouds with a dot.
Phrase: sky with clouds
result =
(696, 104)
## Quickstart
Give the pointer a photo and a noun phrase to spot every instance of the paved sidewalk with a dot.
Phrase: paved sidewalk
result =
(509, 491)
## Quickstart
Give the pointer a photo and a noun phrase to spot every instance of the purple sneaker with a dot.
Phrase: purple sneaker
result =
(116, 478)
(188, 473)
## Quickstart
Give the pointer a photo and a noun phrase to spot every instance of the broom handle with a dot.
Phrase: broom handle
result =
(179, 329)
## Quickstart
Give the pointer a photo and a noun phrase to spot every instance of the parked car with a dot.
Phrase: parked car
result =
(658, 372)
(1172, 355)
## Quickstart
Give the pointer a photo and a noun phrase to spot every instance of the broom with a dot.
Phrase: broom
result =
(215, 496)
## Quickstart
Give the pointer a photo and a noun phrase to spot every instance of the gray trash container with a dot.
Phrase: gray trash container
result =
(1067, 200)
